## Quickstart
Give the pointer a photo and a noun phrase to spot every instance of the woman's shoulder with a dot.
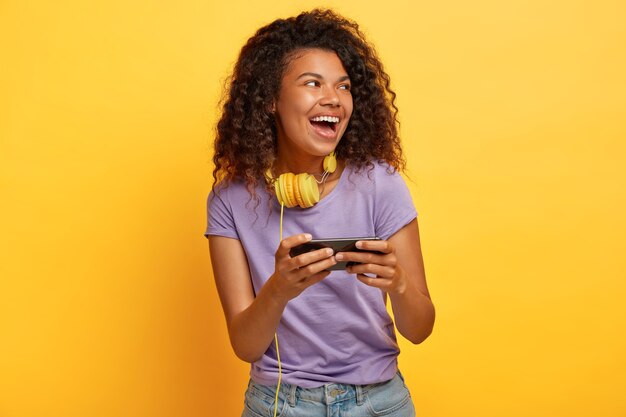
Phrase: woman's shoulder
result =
(228, 190)
(236, 194)
(231, 186)
(375, 170)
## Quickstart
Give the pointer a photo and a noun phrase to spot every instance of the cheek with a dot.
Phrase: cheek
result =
(290, 119)
(295, 105)
(349, 109)
(348, 105)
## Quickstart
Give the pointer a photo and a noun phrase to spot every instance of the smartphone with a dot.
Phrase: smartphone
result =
(337, 245)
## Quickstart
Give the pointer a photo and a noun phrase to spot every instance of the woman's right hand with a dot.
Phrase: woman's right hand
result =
(294, 275)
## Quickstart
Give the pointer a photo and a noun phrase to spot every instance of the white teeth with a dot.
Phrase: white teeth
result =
(331, 119)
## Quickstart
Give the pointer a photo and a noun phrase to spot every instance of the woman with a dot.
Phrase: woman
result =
(309, 95)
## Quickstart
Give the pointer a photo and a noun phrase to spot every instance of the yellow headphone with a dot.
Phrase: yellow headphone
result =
(300, 189)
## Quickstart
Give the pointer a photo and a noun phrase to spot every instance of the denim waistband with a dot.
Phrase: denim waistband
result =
(327, 393)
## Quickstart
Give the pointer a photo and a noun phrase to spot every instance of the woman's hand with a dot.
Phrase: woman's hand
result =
(399, 271)
(389, 275)
(294, 275)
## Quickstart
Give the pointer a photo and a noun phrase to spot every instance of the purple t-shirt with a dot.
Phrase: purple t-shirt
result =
(337, 330)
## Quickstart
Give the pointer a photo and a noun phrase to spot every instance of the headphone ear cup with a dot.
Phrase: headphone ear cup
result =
(297, 193)
(309, 190)
(301, 189)
(278, 189)
(330, 163)
(290, 200)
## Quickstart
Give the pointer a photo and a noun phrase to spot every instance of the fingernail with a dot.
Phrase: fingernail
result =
(307, 236)
(339, 257)
(359, 245)
(329, 251)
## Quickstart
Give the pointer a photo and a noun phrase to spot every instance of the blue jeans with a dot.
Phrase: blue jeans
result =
(390, 398)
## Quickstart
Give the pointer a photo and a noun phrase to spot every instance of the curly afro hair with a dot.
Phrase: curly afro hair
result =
(245, 143)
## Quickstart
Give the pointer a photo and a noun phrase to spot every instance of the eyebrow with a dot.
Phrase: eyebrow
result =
(319, 77)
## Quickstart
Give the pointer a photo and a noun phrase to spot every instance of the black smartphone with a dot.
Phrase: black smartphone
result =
(337, 245)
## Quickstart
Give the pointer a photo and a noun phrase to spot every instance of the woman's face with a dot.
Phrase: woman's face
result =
(314, 104)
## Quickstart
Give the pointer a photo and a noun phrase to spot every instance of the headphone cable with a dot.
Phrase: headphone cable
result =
(280, 370)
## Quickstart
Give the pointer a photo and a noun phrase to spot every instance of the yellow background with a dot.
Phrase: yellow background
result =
(514, 122)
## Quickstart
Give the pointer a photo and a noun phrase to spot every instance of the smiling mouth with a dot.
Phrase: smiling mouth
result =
(325, 125)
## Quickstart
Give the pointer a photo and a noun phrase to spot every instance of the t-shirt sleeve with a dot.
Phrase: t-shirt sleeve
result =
(394, 206)
(220, 221)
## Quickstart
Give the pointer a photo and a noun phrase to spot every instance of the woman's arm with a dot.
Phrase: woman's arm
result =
(252, 321)
(400, 273)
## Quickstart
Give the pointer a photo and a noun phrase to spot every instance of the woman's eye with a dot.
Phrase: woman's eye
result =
(345, 87)
(312, 83)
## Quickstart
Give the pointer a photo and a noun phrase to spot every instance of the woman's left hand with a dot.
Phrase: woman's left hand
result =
(380, 261)
(398, 267)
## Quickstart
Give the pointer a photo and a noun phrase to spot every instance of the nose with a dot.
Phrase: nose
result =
(330, 97)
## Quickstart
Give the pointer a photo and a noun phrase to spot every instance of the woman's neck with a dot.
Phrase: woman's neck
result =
(311, 165)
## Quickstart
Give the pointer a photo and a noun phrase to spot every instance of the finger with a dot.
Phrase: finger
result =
(310, 257)
(314, 279)
(313, 268)
(381, 283)
(383, 246)
(291, 242)
(366, 258)
(380, 271)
